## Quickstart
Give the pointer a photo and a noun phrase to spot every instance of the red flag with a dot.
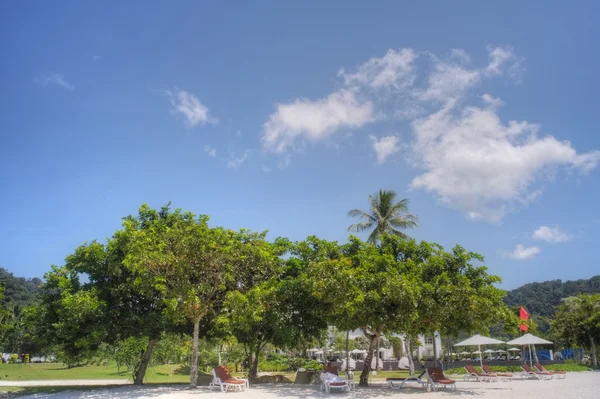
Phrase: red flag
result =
(524, 316)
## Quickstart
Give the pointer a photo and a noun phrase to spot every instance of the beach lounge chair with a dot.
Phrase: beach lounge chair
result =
(529, 373)
(502, 376)
(399, 382)
(473, 374)
(436, 377)
(331, 380)
(558, 374)
(222, 378)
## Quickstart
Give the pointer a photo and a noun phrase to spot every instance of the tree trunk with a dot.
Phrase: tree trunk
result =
(347, 352)
(411, 364)
(594, 355)
(435, 356)
(194, 365)
(141, 371)
(377, 355)
(253, 374)
(364, 376)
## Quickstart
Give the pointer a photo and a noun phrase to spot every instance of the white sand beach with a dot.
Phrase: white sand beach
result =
(584, 385)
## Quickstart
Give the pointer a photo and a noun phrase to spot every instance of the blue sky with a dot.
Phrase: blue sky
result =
(283, 116)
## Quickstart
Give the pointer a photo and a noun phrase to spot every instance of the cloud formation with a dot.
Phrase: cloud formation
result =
(522, 253)
(384, 147)
(551, 234)
(235, 161)
(190, 108)
(463, 151)
(54, 79)
(211, 151)
(303, 119)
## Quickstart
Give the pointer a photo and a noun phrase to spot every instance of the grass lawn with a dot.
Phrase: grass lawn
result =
(164, 374)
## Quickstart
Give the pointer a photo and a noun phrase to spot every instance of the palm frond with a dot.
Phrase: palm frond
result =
(375, 207)
(399, 234)
(358, 227)
(404, 221)
(373, 236)
(400, 206)
(357, 213)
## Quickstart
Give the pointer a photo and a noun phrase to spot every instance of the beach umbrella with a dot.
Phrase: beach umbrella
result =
(478, 340)
(528, 340)
(514, 349)
(500, 351)
(476, 353)
(465, 353)
(489, 351)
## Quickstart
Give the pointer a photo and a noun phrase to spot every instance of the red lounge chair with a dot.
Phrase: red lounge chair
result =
(327, 386)
(392, 381)
(528, 372)
(504, 376)
(472, 373)
(558, 374)
(436, 377)
(222, 378)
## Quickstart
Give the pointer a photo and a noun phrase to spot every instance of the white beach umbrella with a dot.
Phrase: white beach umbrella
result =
(358, 351)
(478, 340)
(476, 353)
(529, 339)
(514, 349)
(465, 353)
(500, 351)
(489, 351)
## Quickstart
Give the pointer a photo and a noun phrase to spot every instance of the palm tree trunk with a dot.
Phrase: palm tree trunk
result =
(347, 352)
(377, 355)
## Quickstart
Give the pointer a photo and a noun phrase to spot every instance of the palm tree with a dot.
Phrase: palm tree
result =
(384, 216)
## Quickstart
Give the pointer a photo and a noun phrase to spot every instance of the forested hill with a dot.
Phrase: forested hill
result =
(541, 298)
(18, 291)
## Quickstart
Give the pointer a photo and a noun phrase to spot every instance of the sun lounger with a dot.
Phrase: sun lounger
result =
(502, 376)
(557, 374)
(399, 382)
(222, 378)
(436, 378)
(473, 374)
(529, 373)
(331, 380)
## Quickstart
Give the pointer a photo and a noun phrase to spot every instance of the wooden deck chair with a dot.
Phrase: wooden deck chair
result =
(399, 381)
(436, 378)
(558, 374)
(529, 373)
(222, 378)
(327, 385)
(473, 374)
(502, 376)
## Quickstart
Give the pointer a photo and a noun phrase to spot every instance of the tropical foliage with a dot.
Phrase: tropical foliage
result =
(385, 215)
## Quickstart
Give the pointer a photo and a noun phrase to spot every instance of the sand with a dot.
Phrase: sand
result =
(575, 386)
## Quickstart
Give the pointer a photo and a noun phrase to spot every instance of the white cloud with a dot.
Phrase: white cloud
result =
(235, 161)
(460, 55)
(503, 58)
(551, 234)
(301, 120)
(394, 70)
(470, 158)
(447, 82)
(187, 105)
(522, 253)
(384, 147)
(54, 79)
(211, 151)
(476, 163)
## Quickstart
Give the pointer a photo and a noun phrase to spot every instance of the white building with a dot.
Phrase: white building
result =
(423, 351)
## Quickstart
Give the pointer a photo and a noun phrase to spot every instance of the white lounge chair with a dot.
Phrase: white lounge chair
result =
(223, 379)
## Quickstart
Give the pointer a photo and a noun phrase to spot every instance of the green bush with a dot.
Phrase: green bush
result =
(516, 369)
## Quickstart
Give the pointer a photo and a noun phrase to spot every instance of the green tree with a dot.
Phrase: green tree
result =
(366, 289)
(577, 321)
(384, 216)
